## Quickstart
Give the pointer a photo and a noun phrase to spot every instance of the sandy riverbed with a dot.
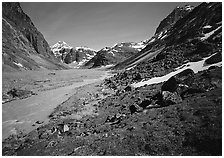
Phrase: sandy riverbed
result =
(52, 90)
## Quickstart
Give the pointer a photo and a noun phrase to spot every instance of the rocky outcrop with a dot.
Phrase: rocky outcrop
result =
(173, 17)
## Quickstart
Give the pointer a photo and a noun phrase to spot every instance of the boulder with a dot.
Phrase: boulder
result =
(137, 77)
(170, 85)
(145, 103)
(132, 109)
(214, 59)
(171, 98)
(128, 88)
(185, 73)
(19, 93)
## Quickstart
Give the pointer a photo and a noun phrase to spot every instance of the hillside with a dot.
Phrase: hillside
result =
(191, 38)
(23, 46)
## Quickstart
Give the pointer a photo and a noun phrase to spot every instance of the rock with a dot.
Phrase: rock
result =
(128, 88)
(145, 103)
(132, 109)
(51, 144)
(19, 93)
(170, 85)
(138, 77)
(171, 98)
(196, 58)
(183, 74)
(52, 73)
(66, 128)
(214, 59)
(39, 122)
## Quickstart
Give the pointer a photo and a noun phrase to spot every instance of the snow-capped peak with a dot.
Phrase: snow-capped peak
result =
(61, 44)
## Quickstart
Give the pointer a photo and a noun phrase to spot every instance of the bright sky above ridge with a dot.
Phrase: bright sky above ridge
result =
(98, 24)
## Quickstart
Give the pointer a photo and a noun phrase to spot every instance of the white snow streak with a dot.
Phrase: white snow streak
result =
(195, 66)
(207, 27)
(130, 67)
(18, 64)
(207, 35)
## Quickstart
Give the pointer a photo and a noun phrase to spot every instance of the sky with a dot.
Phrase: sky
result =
(98, 24)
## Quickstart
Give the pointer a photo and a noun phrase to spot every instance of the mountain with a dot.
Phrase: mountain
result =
(23, 46)
(195, 35)
(115, 54)
(123, 52)
(74, 57)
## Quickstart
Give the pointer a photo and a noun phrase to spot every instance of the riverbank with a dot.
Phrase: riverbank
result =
(51, 89)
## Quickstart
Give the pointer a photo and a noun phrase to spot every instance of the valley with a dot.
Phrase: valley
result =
(160, 96)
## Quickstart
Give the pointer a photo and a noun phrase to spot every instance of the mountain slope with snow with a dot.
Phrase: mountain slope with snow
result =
(115, 54)
(194, 35)
(74, 57)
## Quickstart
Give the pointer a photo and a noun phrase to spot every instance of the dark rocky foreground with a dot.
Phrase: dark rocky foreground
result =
(182, 116)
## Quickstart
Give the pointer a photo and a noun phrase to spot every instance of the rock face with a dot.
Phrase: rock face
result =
(170, 85)
(173, 17)
(23, 46)
(75, 57)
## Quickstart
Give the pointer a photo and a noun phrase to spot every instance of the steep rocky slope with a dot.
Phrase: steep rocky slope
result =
(192, 37)
(23, 46)
(75, 57)
(173, 17)
(115, 54)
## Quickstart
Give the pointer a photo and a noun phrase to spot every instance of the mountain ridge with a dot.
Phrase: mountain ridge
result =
(24, 47)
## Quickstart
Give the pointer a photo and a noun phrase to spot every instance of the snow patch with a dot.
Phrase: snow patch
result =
(163, 36)
(107, 66)
(111, 53)
(90, 56)
(195, 66)
(207, 27)
(187, 7)
(18, 64)
(207, 35)
(130, 67)
(115, 50)
(160, 35)
(138, 46)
